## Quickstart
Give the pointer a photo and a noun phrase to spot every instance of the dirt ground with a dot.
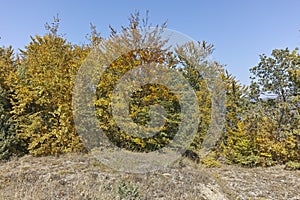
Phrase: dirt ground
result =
(79, 176)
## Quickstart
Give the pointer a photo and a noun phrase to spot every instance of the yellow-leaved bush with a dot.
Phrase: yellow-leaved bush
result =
(36, 97)
(45, 78)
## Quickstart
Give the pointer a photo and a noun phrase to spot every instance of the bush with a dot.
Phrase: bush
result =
(9, 143)
(127, 191)
(292, 165)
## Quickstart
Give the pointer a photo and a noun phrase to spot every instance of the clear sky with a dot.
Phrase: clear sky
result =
(241, 30)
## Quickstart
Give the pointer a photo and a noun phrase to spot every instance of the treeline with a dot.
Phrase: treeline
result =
(262, 126)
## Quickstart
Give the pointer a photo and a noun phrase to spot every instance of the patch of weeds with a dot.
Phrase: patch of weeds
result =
(291, 165)
(127, 191)
(210, 161)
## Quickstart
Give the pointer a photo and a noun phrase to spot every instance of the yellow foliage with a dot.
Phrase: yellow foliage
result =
(43, 108)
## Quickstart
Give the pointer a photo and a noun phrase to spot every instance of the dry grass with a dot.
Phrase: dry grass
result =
(79, 176)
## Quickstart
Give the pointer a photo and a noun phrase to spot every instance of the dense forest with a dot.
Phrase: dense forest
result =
(262, 120)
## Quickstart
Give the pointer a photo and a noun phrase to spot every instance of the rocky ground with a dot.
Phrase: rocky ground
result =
(78, 176)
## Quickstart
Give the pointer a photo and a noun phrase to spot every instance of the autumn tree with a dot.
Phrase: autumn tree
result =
(275, 91)
(236, 144)
(142, 52)
(46, 76)
(255, 125)
(204, 76)
(135, 49)
(9, 142)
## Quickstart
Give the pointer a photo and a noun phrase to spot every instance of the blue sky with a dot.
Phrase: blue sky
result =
(240, 30)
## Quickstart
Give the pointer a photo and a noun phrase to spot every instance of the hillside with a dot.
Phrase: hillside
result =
(78, 176)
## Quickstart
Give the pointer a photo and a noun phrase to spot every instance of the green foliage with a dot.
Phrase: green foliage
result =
(191, 57)
(260, 130)
(9, 143)
(276, 125)
(236, 144)
(279, 76)
(127, 191)
(292, 165)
